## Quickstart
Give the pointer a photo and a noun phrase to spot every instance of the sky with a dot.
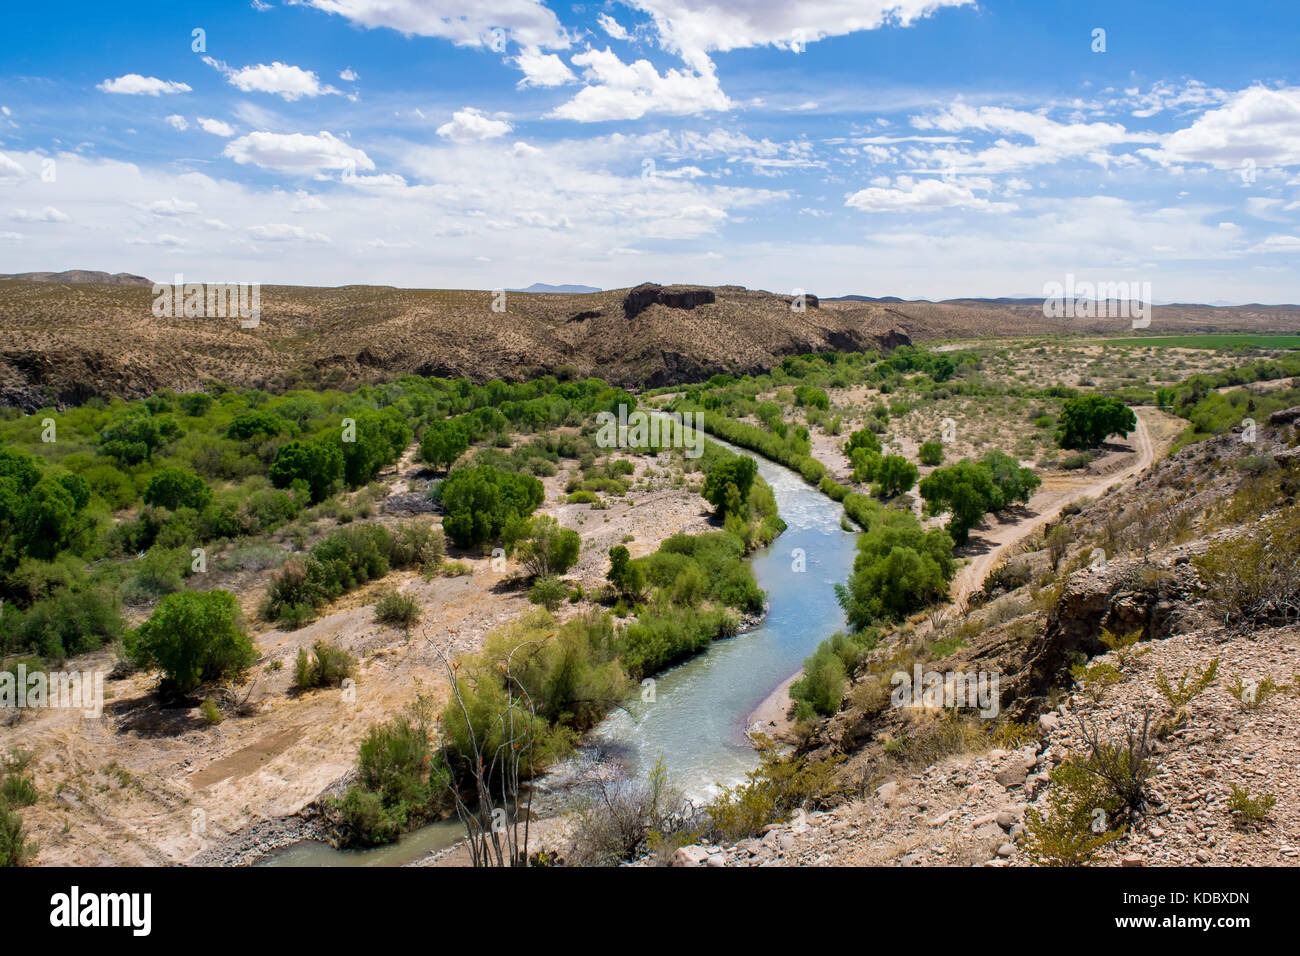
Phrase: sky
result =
(918, 148)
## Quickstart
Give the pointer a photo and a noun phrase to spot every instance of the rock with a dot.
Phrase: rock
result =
(1049, 722)
(1156, 833)
(689, 856)
(716, 859)
(887, 791)
(1202, 856)
(1133, 859)
(1013, 774)
(1006, 819)
(648, 294)
(943, 818)
(1286, 416)
(1005, 850)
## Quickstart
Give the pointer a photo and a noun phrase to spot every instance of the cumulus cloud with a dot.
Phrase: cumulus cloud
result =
(620, 91)
(1257, 124)
(528, 22)
(611, 26)
(280, 79)
(172, 207)
(692, 27)
(297, 152)
(543, 69)
(177, 122)
(216, 127)
(470, 125)
(919, 194)
(133, 84)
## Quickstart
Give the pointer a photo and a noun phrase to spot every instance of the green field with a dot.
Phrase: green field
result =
(1209, 341)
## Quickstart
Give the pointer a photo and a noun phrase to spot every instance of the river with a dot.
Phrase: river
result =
(697, 721)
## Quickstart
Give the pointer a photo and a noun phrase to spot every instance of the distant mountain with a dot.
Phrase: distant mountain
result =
(563, 289)
(81, 276)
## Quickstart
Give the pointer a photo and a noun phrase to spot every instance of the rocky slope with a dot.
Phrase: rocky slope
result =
(65, 337)
(914, 789)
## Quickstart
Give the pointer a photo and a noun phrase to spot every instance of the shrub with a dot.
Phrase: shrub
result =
(931, 453)
(1247, 809)
(1076, 826)
(479, 501)
(209, 711)
(727, 484)
(193, 638)
(328, 665)
(548, 591)
(443, 442)
(174, 488)
(770, 793)
(397, 610)
(319, 464)
(548, 548)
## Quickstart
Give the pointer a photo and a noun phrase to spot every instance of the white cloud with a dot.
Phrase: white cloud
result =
(281, 79)
(177, 122)
(619, 90)
(284, 232)
(306, 202)
(172, 207)
(349, 75)
(134, 84)
(612, 26)
(1050, 141)
(1278, 243)
(297, 152)
(162, 239)
(48, 214)
(543, 69)
(469, 125)
(919, 194)
(10, 170)
(1257, 124)
(527, 22)
(216, 127)
(693, 27)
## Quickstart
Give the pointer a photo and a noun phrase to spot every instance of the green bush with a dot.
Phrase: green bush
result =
(328, 665)
(479, 501)
(193, 638)
(548, 591)
(931, 453)
(397, 610)
(174, 488)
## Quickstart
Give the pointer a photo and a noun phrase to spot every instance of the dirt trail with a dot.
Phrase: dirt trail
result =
(1043, 507)
(1055, 493)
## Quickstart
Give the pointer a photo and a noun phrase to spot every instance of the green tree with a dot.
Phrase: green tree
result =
(135, 438)
(1089, 420)
(627, 577)
(895, 475)
(443, 442)
(862, 438)
(965, 489)
(479, 501)
(549, 549)
(174, 488)
(380, 439)
(194, 638)
(318, 463)
(739, 473)
(931, 453)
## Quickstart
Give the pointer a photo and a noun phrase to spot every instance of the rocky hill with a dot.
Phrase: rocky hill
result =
(66, 337)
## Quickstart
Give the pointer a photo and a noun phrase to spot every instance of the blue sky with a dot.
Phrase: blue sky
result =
(922, 148)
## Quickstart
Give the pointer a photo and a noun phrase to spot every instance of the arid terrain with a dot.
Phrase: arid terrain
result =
(65, 341)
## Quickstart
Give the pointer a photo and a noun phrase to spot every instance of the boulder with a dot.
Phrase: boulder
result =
(673, 297)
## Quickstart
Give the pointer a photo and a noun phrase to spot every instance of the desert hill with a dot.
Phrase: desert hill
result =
(66, 338)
